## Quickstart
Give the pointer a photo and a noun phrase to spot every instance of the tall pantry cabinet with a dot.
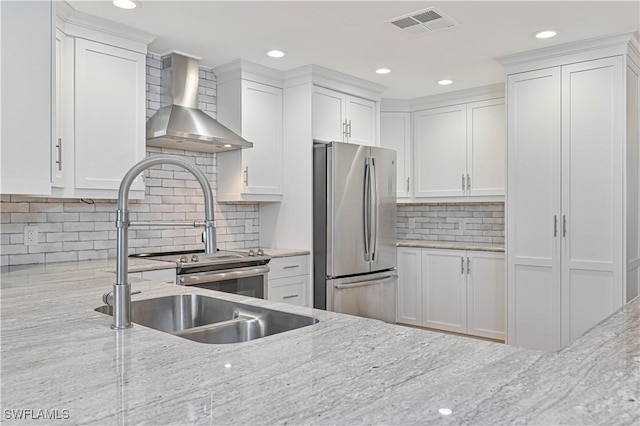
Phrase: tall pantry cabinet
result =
(573, 251)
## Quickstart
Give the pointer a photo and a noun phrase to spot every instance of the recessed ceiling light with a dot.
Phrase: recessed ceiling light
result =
(445, 411)
(276, 53)
(383, 71)
(227, 145)
(546, 34)
(445, 82)
(125, 4)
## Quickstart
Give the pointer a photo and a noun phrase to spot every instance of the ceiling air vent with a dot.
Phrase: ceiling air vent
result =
(423, 21)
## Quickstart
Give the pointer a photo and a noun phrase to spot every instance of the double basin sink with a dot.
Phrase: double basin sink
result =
(210, 320)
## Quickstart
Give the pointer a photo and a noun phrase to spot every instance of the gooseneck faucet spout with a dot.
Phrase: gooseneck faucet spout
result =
(121, 297)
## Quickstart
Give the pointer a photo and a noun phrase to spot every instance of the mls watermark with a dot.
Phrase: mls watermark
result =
(36, 414)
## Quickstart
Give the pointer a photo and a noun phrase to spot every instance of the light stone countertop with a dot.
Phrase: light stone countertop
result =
(57, 353)
(451, 245)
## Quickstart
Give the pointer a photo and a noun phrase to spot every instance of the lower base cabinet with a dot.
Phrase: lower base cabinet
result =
(288, 280)
(454, 290)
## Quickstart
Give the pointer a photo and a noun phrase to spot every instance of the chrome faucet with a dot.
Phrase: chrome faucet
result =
(120, 298)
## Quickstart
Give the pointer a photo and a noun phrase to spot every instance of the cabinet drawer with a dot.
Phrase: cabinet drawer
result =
(288, 266)
(288, 290)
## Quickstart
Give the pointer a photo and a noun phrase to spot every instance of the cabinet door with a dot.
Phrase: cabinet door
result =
(444, 292)
(485, 294)
(440, 157)
(486, 147)
(292, 290)
(533, 209)
(410, 285)
(27, 90)
(61, 90)
(328, 115)
(262, 125)
(361, 121)
(395, 133)
(592, 193)
(109, 114)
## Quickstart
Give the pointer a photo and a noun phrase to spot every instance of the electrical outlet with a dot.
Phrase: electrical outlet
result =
(462, 224)
(30, 235)
(412, 223)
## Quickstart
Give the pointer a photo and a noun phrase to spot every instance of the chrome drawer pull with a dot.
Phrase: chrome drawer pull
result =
(291, 266)
(290, 297)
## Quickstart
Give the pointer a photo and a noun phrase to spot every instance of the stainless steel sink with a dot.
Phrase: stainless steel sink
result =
(210, 320)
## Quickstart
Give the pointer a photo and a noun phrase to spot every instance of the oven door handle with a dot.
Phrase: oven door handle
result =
(223, 275)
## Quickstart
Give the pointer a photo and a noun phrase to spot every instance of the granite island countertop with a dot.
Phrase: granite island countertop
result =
(57, 353)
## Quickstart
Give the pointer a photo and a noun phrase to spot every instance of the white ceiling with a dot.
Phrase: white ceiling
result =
(352, 36)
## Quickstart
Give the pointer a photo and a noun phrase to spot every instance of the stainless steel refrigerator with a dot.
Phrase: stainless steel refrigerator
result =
(354, 230)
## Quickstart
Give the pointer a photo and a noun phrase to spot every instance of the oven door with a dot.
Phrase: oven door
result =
(250, 281)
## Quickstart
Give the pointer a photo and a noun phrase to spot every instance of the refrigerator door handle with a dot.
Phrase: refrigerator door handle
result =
(372, 281)
(373, 244)
(366, 209)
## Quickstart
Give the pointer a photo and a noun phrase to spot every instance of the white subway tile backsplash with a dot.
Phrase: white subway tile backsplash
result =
(466, 222)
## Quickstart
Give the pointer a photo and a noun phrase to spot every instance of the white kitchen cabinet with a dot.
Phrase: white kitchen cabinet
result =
(28, 91)
(395, 133)
(566, 224)
(486, 136)
(459, 150)
(486, 294)
(444, 293)
(100, 125)
(288, 280)
(253, 110)
(109, 115)
(440, 152)
(453, 290)
(343, 118)
(410, 285)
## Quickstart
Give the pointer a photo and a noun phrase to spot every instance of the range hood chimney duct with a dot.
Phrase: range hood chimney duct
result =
(179, 124)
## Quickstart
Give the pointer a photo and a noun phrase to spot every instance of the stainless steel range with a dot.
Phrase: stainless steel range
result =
(244, 273)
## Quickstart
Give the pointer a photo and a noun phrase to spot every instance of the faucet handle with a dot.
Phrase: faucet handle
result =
(107, 297)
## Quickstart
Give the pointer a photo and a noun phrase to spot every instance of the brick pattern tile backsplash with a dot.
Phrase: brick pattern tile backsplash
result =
(468, 222)
(71, 229)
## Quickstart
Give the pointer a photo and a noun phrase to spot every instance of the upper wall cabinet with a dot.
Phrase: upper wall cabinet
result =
(73, 102)
(395, 133)
(28, 90)
(343, 118)
(573, 250)
(101, 91)
(250, 104)
(459, 150)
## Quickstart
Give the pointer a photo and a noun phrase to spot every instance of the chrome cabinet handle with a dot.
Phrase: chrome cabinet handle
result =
(468, 265)
(555, 225)
(246, 176)
(344, 129)
(463, 185)
(462, 265)
(291, 266)
(407, 184)
(564, 225)
(290, 296)
(59, 152)
(468, 182)
(349, 129)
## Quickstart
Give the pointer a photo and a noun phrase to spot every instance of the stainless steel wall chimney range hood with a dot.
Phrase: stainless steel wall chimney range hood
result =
(179, 124)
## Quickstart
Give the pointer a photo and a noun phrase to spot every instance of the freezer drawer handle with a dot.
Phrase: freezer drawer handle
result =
(291, 266)
(364, 283)
(292, 296)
